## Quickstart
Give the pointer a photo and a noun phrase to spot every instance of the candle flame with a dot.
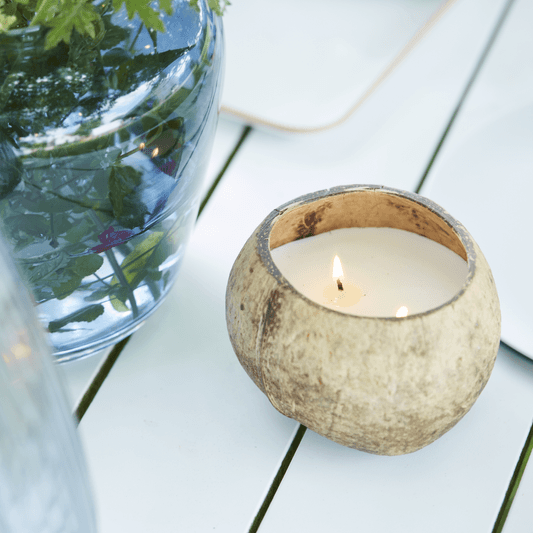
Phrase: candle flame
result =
(402, 311)
(337, 268)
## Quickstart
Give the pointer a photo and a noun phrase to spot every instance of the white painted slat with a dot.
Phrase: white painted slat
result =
(179, 438)
(455, 484)
(78, 374)
(484, 174)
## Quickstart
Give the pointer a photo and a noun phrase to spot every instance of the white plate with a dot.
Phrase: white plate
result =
(305, 63)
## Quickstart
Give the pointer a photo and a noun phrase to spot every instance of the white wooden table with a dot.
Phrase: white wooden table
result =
(178, 438)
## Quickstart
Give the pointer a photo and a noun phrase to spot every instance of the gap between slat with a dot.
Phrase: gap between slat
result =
(278, 479)
(514, 483)
(469, 84)
(521, 464)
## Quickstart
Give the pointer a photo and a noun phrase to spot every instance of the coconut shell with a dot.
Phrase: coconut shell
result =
(387, 386)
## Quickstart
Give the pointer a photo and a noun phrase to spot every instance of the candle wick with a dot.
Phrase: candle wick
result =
(339, 285)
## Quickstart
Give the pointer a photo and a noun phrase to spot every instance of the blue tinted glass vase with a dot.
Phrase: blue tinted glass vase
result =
(103, 149)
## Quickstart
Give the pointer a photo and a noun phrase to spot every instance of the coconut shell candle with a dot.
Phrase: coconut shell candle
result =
(366, 313)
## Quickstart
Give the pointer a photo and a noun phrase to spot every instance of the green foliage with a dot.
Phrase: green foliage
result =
(10, 167)
(65, 16)
(218, 6)
(136, 266)
(128, 208)
(87, 314)
(80, 215)
(122, 182)
(148, 15)
(73, 274)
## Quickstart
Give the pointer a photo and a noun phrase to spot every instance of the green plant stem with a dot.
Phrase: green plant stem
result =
(53, 240)
(153, 36)
(136, 37)
(85, 286)
(117, 270)
(101, 280)
(123, 281)
(153, 288)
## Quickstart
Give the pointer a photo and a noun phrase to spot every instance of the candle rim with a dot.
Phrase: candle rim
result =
(265, 229)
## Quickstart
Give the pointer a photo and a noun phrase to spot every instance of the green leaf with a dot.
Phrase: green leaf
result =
(128, 206)
(149, 16)
(76, 248)
(67, 280)
(61, 222)
(37, 273)
(122, 181)
(135, 267)
(45, 10)
(73, 15)
(79, 231)
(87, 314)
(62, 289)
(86, 265)
(218, 6)
(34, 225)
(48, 205)
(166, 5)
(118, 303)
(118, 299)
(99, 294)
(115, 57)
(6, 21)
(135, 263)
(162, 252)
(134, 211)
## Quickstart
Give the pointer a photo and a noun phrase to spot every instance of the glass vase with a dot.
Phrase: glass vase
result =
(43, 480)
(103, 148)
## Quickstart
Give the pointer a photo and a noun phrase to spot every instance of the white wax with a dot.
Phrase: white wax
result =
(385, 271)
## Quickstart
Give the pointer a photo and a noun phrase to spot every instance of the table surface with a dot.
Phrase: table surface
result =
(177, 437)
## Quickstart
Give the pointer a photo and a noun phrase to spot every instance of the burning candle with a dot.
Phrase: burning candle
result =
(417, 322)
(382, 272)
